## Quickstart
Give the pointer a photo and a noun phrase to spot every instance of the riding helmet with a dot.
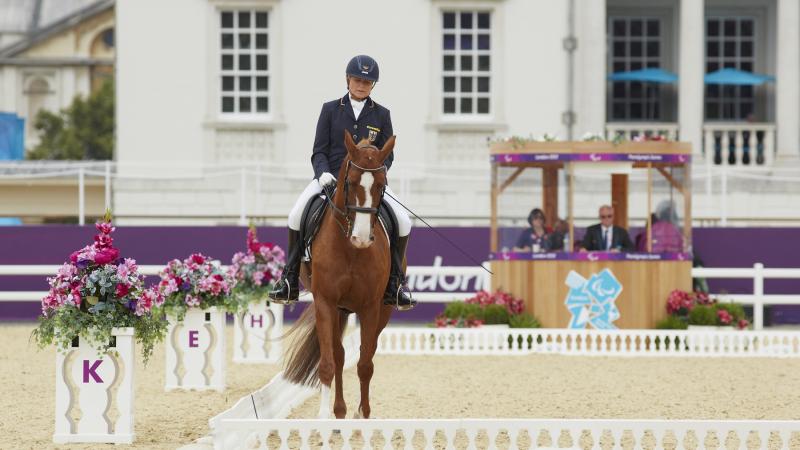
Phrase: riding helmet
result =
(362, 66)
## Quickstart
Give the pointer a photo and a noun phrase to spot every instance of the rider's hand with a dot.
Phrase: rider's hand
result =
(326, 179)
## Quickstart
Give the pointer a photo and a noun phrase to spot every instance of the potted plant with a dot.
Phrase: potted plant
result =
(257, 323)
(487, 309)
(96, 309)
(698, 311)
(196, 295)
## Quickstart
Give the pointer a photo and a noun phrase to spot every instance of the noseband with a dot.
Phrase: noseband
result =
(348, 208)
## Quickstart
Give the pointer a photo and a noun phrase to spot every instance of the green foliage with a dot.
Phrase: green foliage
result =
(523, 320)
(735, 309)
(82, 131)
(62, 325)
(459, 310)
(672, 323)
(703, 315)
(495, 315)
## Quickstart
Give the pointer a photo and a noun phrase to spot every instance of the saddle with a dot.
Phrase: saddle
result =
(317, 207)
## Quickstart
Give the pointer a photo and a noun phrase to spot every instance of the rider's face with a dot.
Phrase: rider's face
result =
(359, 88)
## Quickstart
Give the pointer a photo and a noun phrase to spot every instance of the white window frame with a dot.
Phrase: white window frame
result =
(457, 120)
(215, 64)
(645, 101)
(737, 60)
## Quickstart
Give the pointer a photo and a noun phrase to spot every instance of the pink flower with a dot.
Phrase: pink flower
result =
(724, 317)
(198, 258)
(257, 277)
(122, 290)
(743, 323)
(192, 300)
(104, 227)
(106, 256)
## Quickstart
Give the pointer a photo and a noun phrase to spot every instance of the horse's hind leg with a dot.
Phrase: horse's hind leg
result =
(327, 320)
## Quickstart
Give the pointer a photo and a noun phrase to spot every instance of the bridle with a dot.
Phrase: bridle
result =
(347, 228)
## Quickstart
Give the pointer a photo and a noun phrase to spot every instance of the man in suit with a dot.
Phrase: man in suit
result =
(605, 236)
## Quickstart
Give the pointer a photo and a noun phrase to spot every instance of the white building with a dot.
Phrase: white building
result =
(209, 89)
(50, 52)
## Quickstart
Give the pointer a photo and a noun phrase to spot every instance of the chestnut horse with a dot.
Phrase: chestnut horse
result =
(349, 270)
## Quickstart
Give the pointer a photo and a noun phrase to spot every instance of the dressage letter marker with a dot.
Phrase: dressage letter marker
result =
(94, 394)
(256, 333)
(196, 351)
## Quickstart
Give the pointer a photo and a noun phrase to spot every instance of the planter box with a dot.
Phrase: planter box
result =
(94, 394)
(256, 332)
(195, 351)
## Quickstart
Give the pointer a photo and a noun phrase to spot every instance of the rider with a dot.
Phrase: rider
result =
(365, 119)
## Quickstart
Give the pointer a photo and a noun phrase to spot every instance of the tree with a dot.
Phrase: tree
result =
(83, 131)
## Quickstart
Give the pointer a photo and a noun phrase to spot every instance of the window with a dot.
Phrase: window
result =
(636, 43)
(244, 62)
(730, 43)
(466, 64)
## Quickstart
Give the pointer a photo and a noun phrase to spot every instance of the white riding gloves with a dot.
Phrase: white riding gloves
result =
(326, 179)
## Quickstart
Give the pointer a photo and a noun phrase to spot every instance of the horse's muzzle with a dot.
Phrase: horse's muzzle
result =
(361, 243)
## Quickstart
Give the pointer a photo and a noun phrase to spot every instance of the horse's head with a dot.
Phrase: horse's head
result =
(364, 179)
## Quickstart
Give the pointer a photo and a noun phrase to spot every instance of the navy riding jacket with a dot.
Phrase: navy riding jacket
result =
(374, 124)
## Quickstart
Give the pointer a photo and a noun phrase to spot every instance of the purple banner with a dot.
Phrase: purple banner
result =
(591, 157)
(51, 244)
(588, 256)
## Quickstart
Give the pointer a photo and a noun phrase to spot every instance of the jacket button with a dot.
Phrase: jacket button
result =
(355, 126)
(355, 137)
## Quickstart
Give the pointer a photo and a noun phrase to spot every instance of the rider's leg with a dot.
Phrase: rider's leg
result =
(288, 287)
(396, 293)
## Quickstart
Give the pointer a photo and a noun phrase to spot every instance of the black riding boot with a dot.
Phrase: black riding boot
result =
(396, 294)
(287, 290)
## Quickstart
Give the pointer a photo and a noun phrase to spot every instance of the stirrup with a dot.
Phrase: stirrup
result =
(284, 301)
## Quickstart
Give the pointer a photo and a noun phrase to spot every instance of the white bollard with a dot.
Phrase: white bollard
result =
(195, 351)
(256, 333)
(94, 394)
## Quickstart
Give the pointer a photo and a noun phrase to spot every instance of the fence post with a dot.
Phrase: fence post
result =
(107, 185)
(758, 293)
(81, 197)
(243, 197)
(724, 194)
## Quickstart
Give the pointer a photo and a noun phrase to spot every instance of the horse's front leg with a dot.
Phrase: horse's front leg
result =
(365, 365)
(325, 323)
(339, 406)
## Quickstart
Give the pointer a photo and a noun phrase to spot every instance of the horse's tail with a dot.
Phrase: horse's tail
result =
(302, 357)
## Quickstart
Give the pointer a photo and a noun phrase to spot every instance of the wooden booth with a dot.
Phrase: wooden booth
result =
(648, 174)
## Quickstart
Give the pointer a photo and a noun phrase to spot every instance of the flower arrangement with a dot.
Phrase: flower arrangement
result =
(697, 308)
(486, 308)
(196, 282)
(95, 292)
(255, 271)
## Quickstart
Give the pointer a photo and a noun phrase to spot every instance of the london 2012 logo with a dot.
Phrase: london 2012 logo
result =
(592, 302)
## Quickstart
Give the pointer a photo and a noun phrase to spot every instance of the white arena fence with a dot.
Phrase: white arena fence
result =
(524, 341)
(457, 283)
(507, 433)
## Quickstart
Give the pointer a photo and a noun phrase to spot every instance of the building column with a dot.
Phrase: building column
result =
(691, 68)
(590, 67)
(787, 81)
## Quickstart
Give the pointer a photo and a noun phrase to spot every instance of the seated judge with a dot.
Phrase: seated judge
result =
(536, 238)
(605, 236)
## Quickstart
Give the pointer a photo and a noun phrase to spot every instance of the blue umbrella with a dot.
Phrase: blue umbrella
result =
(652, 75)
(736, 77)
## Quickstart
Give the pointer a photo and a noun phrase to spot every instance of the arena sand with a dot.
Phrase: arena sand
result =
(535, 386)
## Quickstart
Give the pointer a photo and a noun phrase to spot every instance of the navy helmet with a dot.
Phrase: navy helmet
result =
(362, 66)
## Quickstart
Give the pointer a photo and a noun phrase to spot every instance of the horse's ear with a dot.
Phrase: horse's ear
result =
(349, 144)
(388, 147)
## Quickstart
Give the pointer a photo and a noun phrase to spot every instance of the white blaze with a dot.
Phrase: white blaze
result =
(361, 226)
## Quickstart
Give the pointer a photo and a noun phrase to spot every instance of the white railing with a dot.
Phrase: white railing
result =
(651, 343)
(738, 141)
(631, 130)
(506, 433)
(451, 281)
(454, 281)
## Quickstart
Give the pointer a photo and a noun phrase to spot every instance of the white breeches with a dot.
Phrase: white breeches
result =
(296, 215)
